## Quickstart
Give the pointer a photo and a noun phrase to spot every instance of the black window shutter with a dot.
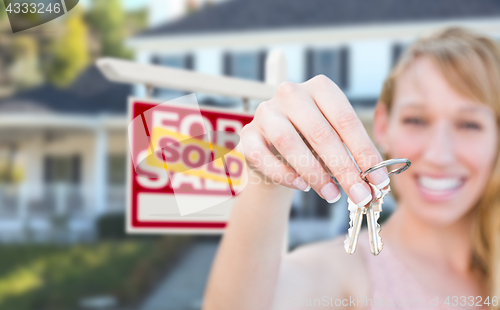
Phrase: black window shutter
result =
(309, 70)
(75, 169)
(262, 65)
(397, 50)
(227, 63)
(189, 61)
(344, 68)
(47, 169)
(156, 60)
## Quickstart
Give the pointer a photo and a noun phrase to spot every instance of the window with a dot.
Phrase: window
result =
(64, 169)
(331, 62)
(116, 169)
(245, 65)
(173, 61)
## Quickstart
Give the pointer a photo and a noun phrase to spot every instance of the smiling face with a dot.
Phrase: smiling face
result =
(450, 139)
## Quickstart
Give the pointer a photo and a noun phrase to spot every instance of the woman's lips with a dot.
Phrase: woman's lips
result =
(438, 189)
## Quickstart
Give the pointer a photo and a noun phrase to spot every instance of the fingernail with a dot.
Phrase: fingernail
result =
(379, 178)
(331, 193)
(360, 195)
(301, 184)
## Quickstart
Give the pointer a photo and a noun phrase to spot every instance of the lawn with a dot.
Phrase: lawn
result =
(58, 277)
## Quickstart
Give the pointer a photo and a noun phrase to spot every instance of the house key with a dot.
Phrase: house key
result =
(372, 210)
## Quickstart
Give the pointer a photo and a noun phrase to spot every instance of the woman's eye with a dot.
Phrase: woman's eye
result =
(470, 125)
(414, 121)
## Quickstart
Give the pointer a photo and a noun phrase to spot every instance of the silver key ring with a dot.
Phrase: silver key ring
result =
(405, 161)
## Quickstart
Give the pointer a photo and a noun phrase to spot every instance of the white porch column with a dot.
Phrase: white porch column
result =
(100, 173)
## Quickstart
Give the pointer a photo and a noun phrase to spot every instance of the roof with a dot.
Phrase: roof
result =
(249, 15)
(91, 93)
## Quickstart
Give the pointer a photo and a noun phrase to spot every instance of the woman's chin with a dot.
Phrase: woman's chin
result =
(438, 214)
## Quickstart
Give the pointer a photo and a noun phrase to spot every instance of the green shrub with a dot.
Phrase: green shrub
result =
(111, 226)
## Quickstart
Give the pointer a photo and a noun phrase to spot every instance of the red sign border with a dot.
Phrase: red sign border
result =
(133, 223)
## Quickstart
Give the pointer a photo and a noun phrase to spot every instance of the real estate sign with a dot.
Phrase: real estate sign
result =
(183, 168)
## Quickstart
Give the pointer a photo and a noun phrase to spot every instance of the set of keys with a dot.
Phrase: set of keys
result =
(372, 210)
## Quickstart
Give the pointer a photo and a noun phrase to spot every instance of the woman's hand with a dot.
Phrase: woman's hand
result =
(320, 111)
(249, 267)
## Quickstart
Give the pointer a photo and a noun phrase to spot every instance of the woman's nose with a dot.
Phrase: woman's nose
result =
(440, 146)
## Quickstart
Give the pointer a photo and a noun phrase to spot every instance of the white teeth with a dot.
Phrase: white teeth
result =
(439, 184)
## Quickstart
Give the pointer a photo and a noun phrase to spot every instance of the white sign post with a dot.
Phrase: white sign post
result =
(151, 203)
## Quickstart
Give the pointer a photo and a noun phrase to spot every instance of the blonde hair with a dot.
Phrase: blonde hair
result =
(470, 62)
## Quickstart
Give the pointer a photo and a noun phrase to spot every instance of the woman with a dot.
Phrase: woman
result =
(440, 107)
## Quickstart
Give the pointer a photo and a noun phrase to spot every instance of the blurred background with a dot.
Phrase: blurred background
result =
(63, 129)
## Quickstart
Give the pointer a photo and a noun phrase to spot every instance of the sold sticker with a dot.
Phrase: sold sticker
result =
(195, 156)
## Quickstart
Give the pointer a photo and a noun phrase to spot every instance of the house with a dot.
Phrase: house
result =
(62, 151)
(65, 153)
(355, 43)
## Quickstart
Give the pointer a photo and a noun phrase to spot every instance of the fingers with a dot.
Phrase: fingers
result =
(325, 118)
(322, 137)
(338, 111)
(284, 137)
(256, 151)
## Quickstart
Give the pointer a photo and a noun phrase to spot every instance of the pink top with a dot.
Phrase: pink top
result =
(392, 284)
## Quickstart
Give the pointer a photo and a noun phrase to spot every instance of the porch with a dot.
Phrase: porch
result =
(62, 212)
(58, 174)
